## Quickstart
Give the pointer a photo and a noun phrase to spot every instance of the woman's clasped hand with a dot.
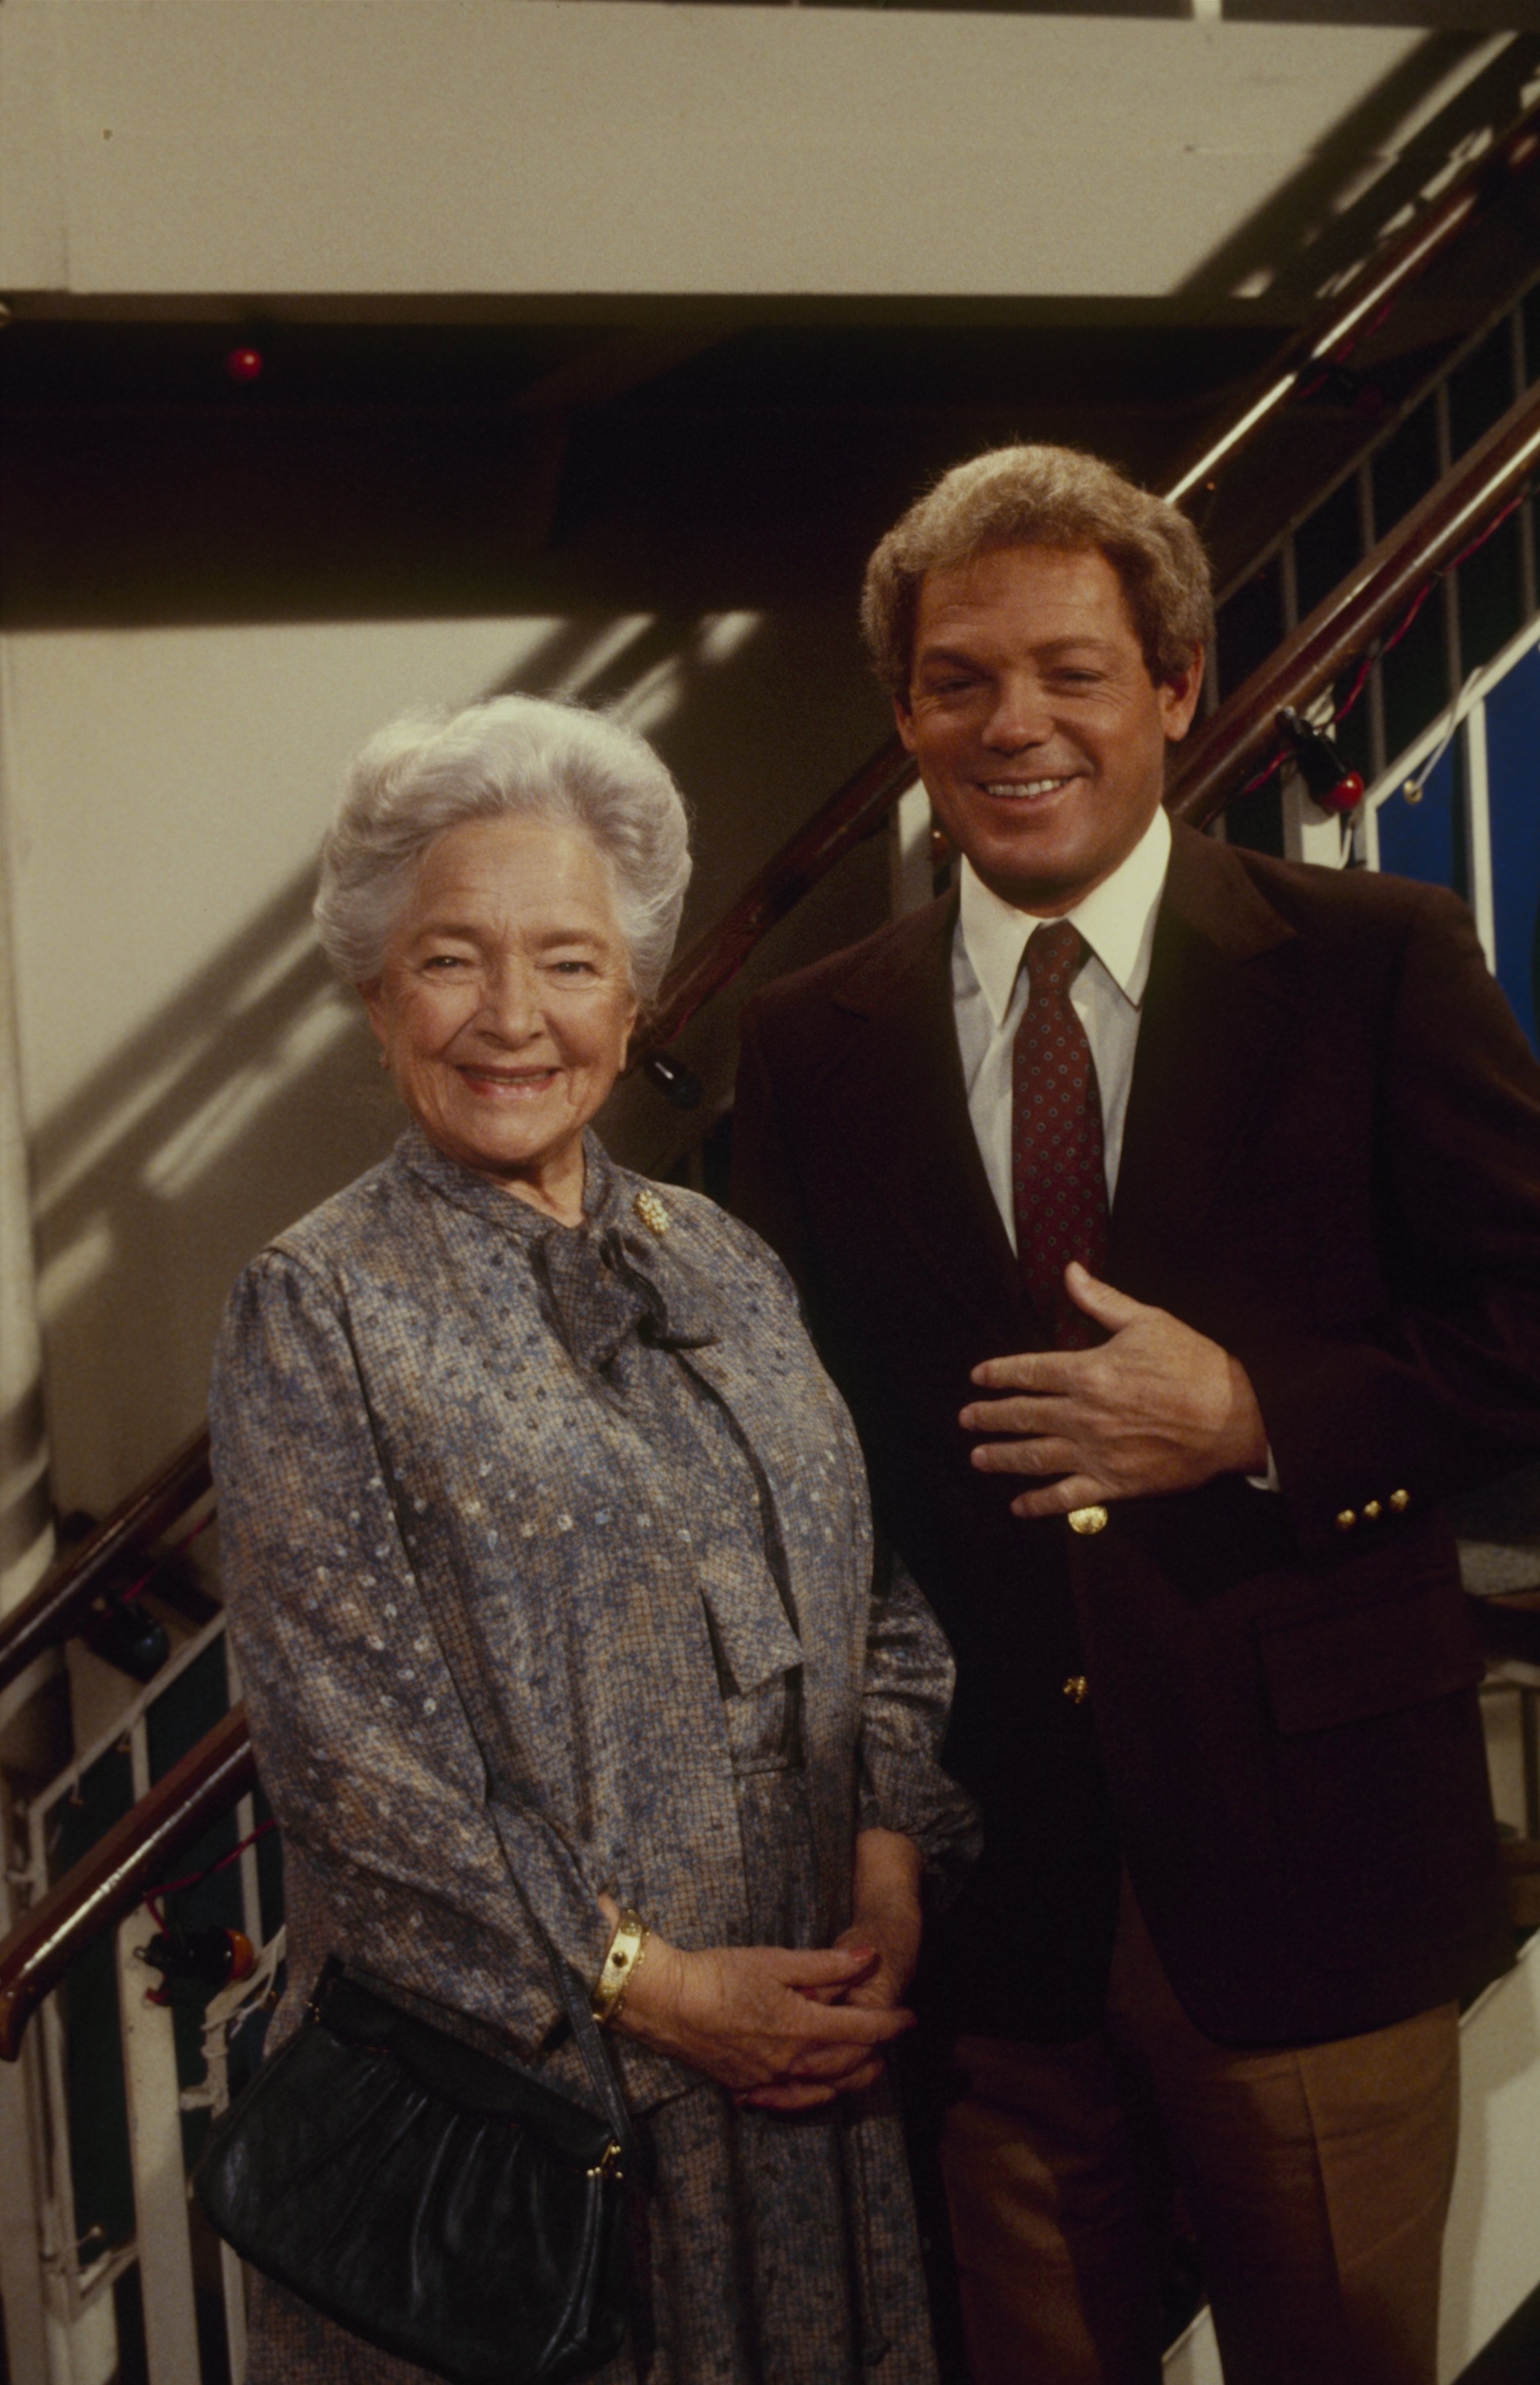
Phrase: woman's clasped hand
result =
(758, 2019)
(786, 2029)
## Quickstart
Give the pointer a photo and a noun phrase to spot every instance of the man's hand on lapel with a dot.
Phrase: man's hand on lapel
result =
(1157, 1408)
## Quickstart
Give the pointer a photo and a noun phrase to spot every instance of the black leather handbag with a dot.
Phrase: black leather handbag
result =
(448, 2205)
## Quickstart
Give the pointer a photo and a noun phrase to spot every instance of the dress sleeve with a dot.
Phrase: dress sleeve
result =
(364, 1748)
(905, 1704)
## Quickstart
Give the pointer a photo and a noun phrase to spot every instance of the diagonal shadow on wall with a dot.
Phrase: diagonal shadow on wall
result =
(1321, 218)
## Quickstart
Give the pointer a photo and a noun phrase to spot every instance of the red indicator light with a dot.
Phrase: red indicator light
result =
(243, 364)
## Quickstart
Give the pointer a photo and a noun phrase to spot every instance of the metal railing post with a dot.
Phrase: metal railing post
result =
(159, 2180)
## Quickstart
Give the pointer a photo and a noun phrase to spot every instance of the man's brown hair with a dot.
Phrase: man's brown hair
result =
(1043, 496)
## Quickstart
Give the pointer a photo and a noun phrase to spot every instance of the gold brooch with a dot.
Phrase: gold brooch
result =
(653, 1216)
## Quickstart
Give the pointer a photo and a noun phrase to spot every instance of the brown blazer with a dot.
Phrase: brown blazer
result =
(1332, 1165)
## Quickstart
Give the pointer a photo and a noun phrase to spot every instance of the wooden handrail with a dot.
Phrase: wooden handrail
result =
(58, 1605)
(1243, 733)
(110, 1880)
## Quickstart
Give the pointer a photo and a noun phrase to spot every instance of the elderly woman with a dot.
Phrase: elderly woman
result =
(552, 1580)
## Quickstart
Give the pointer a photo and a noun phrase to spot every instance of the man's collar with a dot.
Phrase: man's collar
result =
(1116, 919)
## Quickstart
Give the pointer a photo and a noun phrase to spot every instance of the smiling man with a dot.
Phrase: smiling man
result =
(1170, 1216)
(1039, 731)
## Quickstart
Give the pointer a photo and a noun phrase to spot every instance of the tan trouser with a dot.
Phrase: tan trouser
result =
(1316, 2179)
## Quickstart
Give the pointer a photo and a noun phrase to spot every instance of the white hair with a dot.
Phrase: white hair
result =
(514, 755)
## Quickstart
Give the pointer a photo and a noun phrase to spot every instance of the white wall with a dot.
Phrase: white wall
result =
(26, 1532)
(475, 145)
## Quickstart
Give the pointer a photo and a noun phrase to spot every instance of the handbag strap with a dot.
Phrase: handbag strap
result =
(596, 2057)
(601, 2070)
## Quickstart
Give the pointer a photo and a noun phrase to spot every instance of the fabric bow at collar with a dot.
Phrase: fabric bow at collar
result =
(601, 1282)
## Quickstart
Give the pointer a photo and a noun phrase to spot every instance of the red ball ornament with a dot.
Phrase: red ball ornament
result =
(243, 364)
(1344, 797)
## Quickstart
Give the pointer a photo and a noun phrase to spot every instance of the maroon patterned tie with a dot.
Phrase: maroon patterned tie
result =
(1056, 1156)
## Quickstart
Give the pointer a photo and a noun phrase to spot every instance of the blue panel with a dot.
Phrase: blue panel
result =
(1420, 839)
(1513, 771)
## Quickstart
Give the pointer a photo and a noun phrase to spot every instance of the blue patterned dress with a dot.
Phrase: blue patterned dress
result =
(551, 1573)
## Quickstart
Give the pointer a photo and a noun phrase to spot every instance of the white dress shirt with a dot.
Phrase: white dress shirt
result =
(989, 991)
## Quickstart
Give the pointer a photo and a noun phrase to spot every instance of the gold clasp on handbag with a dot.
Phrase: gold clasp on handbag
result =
(608, 2165)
